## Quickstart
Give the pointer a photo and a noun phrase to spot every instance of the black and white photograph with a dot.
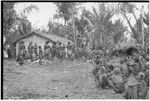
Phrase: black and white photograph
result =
(74, 50)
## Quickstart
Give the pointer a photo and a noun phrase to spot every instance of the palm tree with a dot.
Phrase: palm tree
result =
(126, 8)
(99, 23)
(146, 19)
(64, 10)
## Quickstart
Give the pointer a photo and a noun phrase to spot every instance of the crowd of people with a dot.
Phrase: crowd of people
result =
(51, 50)
(130, 77)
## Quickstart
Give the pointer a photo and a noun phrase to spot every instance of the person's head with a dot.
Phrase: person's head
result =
(110, 68)
(136, 60)
(125, 59)
(147, 51)
(145, 67)
(30, 43)
(46, 42)
(40, 47)
(130, 63)
(117, 70)
(69, 43)
(122, 61)
(54, 43)
(140, 57)
(97, 56)
(140, 76)
(102, 69)
(134, 53)
(22, 42)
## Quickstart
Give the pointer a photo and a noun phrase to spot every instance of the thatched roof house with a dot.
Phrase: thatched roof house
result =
(40, 38)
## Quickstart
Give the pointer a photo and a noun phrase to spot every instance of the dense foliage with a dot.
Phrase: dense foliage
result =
(95, 28)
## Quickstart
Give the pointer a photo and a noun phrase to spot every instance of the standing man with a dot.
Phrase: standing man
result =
(53, 51)
(30, 50)
(21, 53)
(66, 51)
(22, 48)
(46, 49)
(40, 55)
(57, 49)
(35, 49)
(69, 50)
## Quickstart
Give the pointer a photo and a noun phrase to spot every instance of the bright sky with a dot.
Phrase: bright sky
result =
(40, 18)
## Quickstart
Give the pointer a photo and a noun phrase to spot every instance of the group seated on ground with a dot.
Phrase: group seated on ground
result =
(130, 77)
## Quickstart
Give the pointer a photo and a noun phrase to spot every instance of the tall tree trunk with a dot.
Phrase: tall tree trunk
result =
(135, 19)
(135, 16)
(92, 41)
(135, 35)
(97, 39)
(74, 31)
(24, 28)
(97, 44)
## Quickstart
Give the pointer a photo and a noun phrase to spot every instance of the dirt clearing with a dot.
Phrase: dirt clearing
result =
(56, 80)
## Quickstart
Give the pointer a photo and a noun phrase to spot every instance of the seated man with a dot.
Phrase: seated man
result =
(97, 60)
(147, 74)
(136, 89)
(142, 87)
(124, 69)
(103, 80)
(116, 81)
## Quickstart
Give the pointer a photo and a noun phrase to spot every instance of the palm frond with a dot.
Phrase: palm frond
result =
(89, 22)
(95, 12)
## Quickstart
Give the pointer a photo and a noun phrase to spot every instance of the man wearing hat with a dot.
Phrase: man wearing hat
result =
(124, 69)
(103, 79)
(136, 89)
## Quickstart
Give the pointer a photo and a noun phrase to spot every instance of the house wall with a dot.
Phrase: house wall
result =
(34, 39)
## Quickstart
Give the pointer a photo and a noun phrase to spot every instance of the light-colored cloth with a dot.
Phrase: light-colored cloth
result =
(66, 52)
(117, 78)
(5, 54)
(131, 80)
(50, 44)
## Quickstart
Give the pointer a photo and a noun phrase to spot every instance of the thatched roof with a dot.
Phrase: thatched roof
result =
(49, 36)
(127, 44)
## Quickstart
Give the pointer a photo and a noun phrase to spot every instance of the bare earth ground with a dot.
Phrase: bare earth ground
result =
(58, 80)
